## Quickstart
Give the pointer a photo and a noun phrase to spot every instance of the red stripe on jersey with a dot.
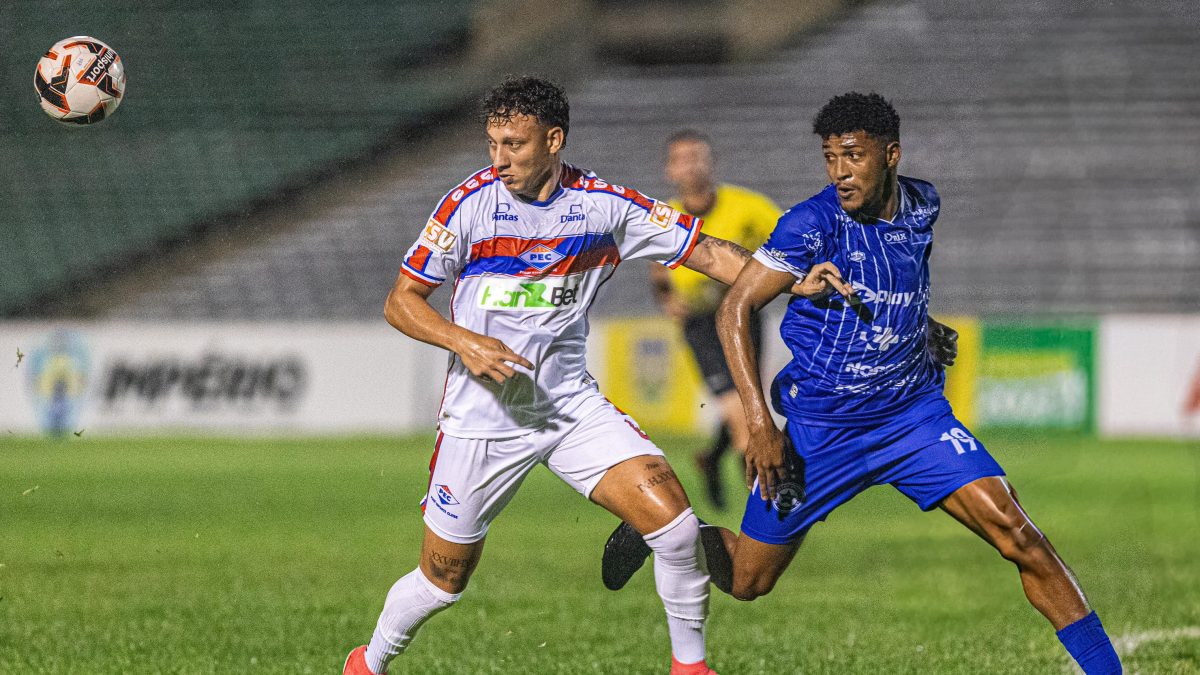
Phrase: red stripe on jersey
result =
(598, 185)
(695, 235)
(598, 257)
(410, 275)
(419, 259)
(509, 247)
(437, 447)
(453, 198)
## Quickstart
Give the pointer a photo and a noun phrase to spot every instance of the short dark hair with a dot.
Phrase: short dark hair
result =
(526, 95)
(689, 134)
(850, 112)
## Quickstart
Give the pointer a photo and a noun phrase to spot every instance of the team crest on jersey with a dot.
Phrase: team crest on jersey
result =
(662, 215)
(445, 496)
(541, 256)
(812, 240)
(438, 236)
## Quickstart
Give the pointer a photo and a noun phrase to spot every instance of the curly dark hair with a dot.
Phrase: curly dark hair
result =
(853, 111)
(526, 95)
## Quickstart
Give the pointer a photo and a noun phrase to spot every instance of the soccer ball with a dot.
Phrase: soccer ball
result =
(80, 80)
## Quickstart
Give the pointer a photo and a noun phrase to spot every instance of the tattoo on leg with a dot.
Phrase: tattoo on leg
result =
(656, 480)
(442, 566)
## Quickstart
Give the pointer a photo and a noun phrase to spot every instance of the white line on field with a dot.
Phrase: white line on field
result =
(1129, 642)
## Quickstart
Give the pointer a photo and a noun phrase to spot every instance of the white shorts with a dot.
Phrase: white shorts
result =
(472, 479)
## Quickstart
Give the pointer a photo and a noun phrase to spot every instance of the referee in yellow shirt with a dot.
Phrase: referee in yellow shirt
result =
(729, 212)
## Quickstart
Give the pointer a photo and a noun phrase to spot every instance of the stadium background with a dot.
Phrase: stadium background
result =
(202, 275)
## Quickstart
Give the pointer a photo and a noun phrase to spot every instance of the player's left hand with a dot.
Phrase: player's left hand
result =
(942, 343)
(765, 460)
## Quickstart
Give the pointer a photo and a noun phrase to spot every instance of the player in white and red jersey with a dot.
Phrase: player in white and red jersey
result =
(527, 243)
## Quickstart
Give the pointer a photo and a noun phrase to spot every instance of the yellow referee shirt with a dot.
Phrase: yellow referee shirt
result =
(742, 216)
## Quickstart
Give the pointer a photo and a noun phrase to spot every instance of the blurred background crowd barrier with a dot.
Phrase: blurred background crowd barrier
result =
(214, 257)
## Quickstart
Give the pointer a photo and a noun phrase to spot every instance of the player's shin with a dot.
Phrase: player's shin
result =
(681, 577)
(410, 602)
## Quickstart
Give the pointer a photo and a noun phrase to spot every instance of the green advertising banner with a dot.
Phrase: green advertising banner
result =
(1037, 376)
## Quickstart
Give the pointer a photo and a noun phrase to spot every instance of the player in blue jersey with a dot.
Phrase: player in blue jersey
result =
(862, 397)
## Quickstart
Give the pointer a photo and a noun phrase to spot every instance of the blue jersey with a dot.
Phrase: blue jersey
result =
(857, 363)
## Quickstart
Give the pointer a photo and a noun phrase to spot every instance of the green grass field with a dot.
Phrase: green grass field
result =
(216, 556)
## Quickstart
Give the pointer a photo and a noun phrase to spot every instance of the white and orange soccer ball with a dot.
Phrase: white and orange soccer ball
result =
(80, 80)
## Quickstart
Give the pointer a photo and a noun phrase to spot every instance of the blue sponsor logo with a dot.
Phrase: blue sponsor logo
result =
(574, 216)
(502, 213)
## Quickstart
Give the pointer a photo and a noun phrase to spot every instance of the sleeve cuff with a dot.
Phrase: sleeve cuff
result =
(778, 265)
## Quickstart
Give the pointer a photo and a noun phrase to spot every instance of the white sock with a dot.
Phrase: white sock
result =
(687, 639)
(681, 576)
(412, 600)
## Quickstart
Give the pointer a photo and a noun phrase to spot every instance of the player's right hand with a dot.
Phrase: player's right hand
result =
(766, 460)
(823, 279)
(487, 358)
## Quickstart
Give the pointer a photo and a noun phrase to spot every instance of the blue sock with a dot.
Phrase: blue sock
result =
(1090, 647)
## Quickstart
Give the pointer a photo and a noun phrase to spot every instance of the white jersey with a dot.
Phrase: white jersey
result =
(526, 273)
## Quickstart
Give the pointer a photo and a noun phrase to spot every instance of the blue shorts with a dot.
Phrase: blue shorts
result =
(927, 459)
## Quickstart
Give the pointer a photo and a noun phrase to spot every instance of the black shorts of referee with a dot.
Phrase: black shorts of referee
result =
(700, 332)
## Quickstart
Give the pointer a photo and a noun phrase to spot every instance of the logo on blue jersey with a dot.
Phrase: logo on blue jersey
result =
(574, 216)
(895, 237)
(879, 339)
(857, 256)
(886, 297)
(812, 240)
(502, 213)
(445, 496)
(542, 256)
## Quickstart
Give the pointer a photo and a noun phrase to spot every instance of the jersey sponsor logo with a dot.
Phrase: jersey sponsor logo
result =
(895, 237)
(857, 256)
(541, 256)
(438, 237)
(662, 215)
(575, 215)
(879, 339)
(864, 370)
(886, 297)
(520, 295)
(502, 213)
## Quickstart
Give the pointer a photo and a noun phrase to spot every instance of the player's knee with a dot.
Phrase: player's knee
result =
(1017, 539)
(450, 575)
(449, 581)
(678, 541)
(747, 587)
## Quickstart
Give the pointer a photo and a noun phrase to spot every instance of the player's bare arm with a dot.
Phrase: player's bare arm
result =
(755, 287)
(724, 260)
(409, 311)
(718, 259)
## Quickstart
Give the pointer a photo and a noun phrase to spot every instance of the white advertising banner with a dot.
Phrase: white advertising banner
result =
(1149, 375)
(216, 378)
